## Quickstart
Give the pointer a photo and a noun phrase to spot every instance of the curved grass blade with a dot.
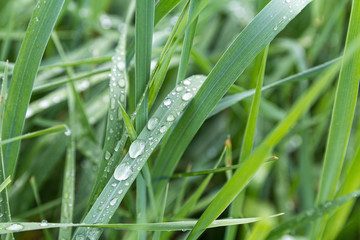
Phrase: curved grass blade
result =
(57, 129)
(115, 138)
(243, 175)
(128, 124)
(139, 151)
(242, 51)
(163, 7)
(166, 226)
(310, 215)
(342, 118)
(25, 70)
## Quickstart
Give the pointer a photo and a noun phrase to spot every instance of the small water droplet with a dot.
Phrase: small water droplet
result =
(186, 82)
(276, 28)
(136, 148)
(113, 202)
(187, 96)
(112, 103)
(122, 172)
(114, 184)
(152, 123)
(68, 132)
(107, 155)
(167, 102)
(170, 118)
(163, 129)
(43, 223)
(121, 65)
(15, 227)
(36, 19)
(179, 89)
(120, 191)
(122, 83)
(117, 146)
(127, 184)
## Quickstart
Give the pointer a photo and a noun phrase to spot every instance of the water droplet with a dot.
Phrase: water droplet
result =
(167, 102)
(120, 191)
(43, 223)
(68, 132)
(121, 65)
(127, 184)
(122, 172)
(163, 129)
(152, 123)
(179, 89)
(114, 184)
(111, 117)
(113, 202)
(170, 118)
(117, 146)
(288, 1)
(186, 82)
(107, 155)
(105, 21)
(36, 19)
(122, 83)
(136, 148)
(276, 28)
(15, 227)
(112, 103)
(187, 96)
(80, 237)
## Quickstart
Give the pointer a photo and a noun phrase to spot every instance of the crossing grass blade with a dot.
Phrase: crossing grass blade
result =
(241, 52)
(57, 129)
(342, 118)
(166, 226)
(5, 183)
(310, 215)
(139, 152)
(25, 70)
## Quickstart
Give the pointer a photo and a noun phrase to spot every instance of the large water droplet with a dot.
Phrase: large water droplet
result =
(187, 96)
(15, 227)
(121, 65)
(122, 172)
(167, 102)
(136, 148)
(152, 123)
(122, 83)
(113, 202)
(179, 89)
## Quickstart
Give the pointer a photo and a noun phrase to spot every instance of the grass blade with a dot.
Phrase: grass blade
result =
(139, 151)
(244, 174)
(242, 51)
(25, 70)
(342, 117)
(57, 129)
(310, 215)
(5, 183)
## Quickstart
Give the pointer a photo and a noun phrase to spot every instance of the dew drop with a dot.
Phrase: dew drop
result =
(117, 146)
(186, 82)
(121, 65)
(122, 83)
(122, 172)
(36, 19)
(152, 123)
(43, 223)
(179, 89)
(187, 96)
(113, 202)
(107, 155)
(15, 227)
(112, 103)
(163, 129)
(120, 191)
(170, 118)
(136, 148)
(68, 132)
(167, 102)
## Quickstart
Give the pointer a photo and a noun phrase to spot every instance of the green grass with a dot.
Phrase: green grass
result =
(179, 119)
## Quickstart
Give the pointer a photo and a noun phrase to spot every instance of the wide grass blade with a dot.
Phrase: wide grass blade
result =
(139, 151)
(241, 52)
(342, 118)
(27, 64)
(5, 183)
